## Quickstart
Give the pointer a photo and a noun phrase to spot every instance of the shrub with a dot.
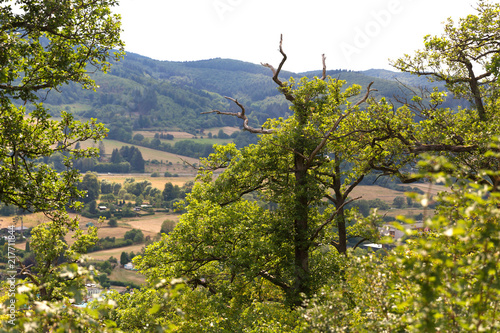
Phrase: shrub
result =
(113, 222)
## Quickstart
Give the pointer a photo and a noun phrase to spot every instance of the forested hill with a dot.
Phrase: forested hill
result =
(142, 93)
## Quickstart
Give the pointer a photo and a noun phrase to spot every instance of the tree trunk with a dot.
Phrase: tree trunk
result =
(301, 283)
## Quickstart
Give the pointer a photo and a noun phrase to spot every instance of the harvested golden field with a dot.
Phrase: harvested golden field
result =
(157, 182)
(30, 220)
(105, 231)
(147, 153)
(228, 130)
(375, 192)
(426, 212)
(151, 223)
(429, 188)
(105, 254)
(378, 192)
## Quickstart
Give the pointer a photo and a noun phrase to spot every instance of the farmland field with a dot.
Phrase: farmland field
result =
(199, 138)
(147, 153)
(157, 182)
(121, 274)
(105, 254)
(152, 223)
(378, 192)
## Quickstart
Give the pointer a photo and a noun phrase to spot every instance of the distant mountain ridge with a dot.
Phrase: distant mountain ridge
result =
(142, 93)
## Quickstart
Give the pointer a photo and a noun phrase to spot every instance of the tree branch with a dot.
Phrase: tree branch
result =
(353, 185)
(274, 280)
(241, 115)
(331, 130)
(368, 91)
(321, 227)
(358, 243)
(323, 58)
(276, 72)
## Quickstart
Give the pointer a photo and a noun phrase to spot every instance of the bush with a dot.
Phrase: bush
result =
(135, 234)
(168, 174)
(138, 137)
(113, 222)
(399, 202)
(167, 226)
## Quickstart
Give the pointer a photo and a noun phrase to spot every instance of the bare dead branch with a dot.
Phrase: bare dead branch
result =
(323, 77)
(276, 72)
(368, 91)
(241, 115)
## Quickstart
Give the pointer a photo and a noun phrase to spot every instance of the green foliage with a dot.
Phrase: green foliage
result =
(113, 222)
(399, 202)
(171, 192)
(39, 55)
(262, 247)
(443, 280)
(124, 259)
(90, 184)
(231, 240)
(138, 137)
(135, 235)
(167, 226)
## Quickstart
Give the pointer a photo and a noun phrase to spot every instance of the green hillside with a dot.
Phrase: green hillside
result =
(142, 93)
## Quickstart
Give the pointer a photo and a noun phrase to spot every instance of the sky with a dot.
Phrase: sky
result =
(353, 34)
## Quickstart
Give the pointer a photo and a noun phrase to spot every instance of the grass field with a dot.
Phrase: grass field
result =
(388, 195)
(147, 153)
(182, 136)
(375, 192)
(157, 182)
(152, 223)
(30, 220)
(177, 135)
(121, 274)
(105, 254)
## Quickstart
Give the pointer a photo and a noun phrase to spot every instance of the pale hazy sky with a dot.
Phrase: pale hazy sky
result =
(354, 34)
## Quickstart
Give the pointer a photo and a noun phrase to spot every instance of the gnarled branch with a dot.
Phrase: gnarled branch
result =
(241, 115)
(367, 94)
(323, 58)
(359, 243)
(276, 73)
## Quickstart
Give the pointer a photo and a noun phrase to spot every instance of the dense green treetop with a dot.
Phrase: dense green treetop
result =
(45, 44)
(276, 213)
